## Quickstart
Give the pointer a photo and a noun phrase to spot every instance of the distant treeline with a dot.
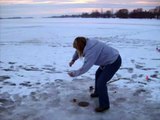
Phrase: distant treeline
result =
(16, 18)
(121, 13)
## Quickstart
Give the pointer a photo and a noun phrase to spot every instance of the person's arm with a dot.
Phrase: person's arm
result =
(74, 58)
(89, 61)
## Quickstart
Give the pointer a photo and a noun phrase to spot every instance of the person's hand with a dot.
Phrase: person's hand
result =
(71, 63)
(71, 74)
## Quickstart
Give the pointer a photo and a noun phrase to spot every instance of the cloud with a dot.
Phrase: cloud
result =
(45, 1)
(61, 7)
(15, 1)
(84, 3)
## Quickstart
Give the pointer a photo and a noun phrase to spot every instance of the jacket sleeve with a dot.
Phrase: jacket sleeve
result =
(75, 56)
(89, 61)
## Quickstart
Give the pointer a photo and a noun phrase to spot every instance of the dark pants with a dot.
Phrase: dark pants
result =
(103, 75)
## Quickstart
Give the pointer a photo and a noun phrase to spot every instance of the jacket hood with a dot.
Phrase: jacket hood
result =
(90, 44)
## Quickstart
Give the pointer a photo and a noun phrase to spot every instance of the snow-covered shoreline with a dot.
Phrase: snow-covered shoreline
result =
(34, 57)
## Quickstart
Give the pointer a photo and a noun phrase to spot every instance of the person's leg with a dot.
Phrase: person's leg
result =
(106, 74)
(102, 89)
(98, 72)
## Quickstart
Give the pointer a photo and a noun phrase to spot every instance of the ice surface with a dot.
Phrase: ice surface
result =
(34, 57)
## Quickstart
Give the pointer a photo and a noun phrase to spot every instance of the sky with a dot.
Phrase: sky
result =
(28, 8)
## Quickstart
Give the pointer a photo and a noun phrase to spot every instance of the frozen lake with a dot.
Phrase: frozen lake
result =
(34, 57)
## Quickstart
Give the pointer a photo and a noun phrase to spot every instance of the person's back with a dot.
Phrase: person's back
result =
(106, 54)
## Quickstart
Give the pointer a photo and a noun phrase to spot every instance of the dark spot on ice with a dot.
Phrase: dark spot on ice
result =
(139, 66)
(48, 66)
(12, 84)
(6, 103)
(74, 100)
(38, 83)
(148, 69)
(20, 75)
(5, 77)
(11, 62)
(49, 69)
(155, 59)
(115, 92)
(9, 83)
(58, 80)
(91, 88)
(154, 76)
(118, 75)
(9, 69)
(141, 75)
(32, 69)
(33, 93)
(133, 61)
(83, 104)
(138, 92)
(27, 84)
(156, 71)
(130, 70)
(3, 100)
(113, 88)
(120, 99)
(143, 58)
(134, 76)
(142, 83)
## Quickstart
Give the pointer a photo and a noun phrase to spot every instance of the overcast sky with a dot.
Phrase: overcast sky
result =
(13, 8)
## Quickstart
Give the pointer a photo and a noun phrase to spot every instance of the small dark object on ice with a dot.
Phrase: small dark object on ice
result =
(83, 104)
(115, 92)
(74, 100)
(158, 49)
(154, 76)
(91, 88)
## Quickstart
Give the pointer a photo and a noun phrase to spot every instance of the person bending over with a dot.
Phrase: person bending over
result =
(97, 53)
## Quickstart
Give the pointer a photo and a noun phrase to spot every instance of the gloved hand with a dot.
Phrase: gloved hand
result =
(71, 63)
(71, 74)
